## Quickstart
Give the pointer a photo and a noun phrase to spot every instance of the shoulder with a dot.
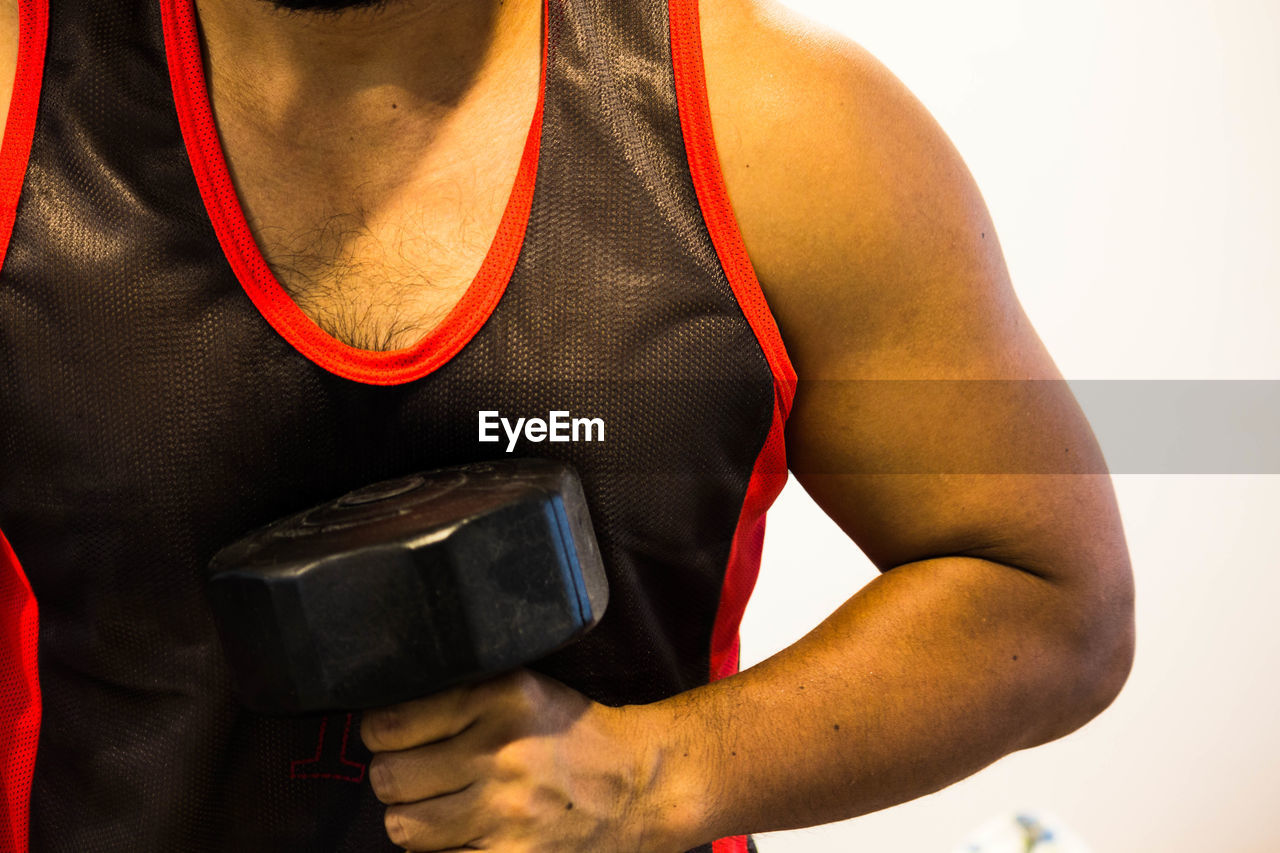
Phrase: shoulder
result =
(8, 56)
(851, 200)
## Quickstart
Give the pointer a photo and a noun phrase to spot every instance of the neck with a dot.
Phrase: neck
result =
(422, 56)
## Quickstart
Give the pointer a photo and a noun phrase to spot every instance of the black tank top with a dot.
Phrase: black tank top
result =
(160, 396)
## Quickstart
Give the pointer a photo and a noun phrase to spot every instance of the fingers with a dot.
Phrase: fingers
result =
(517, 696)
(441, 824)
(493, 765)
(436, 770)
(439, 745)
(418, 722)
(483, 816)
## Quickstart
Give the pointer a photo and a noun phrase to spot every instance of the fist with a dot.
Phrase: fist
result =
(519, 763)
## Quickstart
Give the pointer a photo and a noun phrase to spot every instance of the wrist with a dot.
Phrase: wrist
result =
(674, 796)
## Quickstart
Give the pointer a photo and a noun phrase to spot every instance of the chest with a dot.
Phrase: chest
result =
(376, 231)
(379, 285)
(379, 272)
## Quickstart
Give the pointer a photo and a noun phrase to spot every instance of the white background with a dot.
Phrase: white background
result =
(1130, 154)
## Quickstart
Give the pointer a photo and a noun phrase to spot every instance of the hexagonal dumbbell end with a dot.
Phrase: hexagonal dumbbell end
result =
(409, 586)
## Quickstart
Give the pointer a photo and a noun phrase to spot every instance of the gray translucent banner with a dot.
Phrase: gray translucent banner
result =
(1185, 426)
(1142, 426)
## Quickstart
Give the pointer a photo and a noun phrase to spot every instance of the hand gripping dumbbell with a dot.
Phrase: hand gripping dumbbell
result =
(407, 587)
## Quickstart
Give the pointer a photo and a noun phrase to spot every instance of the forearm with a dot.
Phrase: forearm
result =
(931, 672)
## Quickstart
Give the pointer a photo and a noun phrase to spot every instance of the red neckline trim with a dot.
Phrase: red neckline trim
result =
(20, 124)
(186, 73)
(713, 198)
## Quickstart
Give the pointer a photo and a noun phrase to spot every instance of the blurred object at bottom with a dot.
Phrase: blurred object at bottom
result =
(1023, 832)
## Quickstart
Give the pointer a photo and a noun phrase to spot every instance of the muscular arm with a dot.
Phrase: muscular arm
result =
(1003, 615)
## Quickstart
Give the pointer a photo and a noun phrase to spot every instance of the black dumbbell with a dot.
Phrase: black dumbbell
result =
(407, 587)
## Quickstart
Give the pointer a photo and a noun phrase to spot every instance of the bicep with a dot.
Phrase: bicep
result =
(912, 474)
(929, 420)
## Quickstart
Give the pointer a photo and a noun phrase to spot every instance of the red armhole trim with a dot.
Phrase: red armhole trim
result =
(770, 471)
(19, 621)
(767, 479)
(19, 698)
(20, 125)
(708, 182)
(186, 71)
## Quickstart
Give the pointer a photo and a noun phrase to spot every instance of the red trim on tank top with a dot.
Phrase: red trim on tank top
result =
(20, 124)
(20, 703)
(743, 567)
(769, 473)
(20, 706)
(182, 47)
(713, 198)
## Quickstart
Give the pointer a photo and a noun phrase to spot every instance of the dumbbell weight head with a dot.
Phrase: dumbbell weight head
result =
(406, 587)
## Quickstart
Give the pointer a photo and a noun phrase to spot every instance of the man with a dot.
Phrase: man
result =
(262, 255)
